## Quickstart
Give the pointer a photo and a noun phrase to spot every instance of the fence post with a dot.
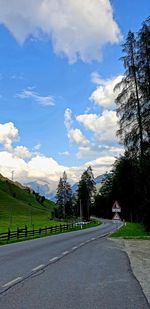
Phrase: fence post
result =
(40, 231)
(17, 232)
(32, 230)
(26, 231)
(8, 238)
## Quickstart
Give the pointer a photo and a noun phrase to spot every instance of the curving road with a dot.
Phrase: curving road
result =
(79, 269)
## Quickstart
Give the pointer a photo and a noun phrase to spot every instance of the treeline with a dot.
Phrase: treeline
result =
(129, 180)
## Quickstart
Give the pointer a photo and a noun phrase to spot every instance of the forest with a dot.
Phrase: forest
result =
(129, 180)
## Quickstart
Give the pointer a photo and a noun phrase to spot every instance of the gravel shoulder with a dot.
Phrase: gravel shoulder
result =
(139, 254)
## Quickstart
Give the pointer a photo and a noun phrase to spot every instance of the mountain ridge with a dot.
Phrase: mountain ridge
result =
(43, 189)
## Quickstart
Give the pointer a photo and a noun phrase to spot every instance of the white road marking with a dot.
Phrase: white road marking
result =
(82, 243)
(54, 259)
(93, 238)
(74, 248)
(65, 252)
(38, 267)
(12, 282)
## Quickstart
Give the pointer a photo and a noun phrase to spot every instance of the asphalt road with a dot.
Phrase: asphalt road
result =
(74, 270)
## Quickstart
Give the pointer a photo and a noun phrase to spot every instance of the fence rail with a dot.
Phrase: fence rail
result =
(26, 233)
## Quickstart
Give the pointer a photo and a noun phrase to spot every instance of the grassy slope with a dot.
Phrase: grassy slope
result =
(20, 205)
(131, 230)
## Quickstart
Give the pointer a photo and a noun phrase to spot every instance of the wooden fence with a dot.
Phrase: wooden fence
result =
(26, 233)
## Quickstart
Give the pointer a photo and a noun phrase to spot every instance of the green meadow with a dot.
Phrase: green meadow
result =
(19, 207)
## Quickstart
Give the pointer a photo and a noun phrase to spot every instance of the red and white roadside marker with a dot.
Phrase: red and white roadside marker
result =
(116, 209)
(116, 217)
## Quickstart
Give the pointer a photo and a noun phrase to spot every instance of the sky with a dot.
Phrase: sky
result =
(59, 63)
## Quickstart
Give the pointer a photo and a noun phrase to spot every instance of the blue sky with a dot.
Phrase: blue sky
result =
(58, 65)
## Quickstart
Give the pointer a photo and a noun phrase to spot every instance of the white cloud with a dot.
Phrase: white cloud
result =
(104, 94)
(22, 152)
(37, 147)
(68, 118)
(98, 150)
(45, 169)
(76, 136)
(42, 100)
(103, 126)
(38, 168)
(42, 166)
(9, 163)
(8, 134)
(76, 28)
(95, 78)
(102, 164)
(64, 153)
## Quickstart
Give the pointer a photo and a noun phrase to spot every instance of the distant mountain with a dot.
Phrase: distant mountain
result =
(42, 189)
(99, 178)
(74, 187)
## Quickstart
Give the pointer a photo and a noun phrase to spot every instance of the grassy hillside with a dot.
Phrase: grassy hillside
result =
(19, 206)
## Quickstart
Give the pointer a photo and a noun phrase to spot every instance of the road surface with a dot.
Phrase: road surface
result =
(75, 270)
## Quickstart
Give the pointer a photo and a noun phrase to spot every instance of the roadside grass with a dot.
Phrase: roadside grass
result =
(21, 208)
(132, 231)
(93, 223)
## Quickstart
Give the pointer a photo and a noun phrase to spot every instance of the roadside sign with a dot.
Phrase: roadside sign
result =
(116, 217)
(116, 207)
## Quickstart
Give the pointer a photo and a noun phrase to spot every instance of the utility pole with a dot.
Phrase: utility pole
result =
(81, 213)
(12, 175)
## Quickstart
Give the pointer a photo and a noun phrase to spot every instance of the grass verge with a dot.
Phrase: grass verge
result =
(132, 231)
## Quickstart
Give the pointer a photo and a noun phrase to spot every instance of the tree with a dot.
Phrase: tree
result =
(86, 192)
(133, 100)
(143, 59)
(64, 198)
(122, 184)
(129, 181)
(129, 100)
(133, 109)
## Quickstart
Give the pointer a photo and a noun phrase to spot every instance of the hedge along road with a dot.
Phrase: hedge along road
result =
(75, 270)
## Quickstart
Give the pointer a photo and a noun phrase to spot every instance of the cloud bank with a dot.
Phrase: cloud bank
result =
(33, 166)
(77, 29)
(100, 127)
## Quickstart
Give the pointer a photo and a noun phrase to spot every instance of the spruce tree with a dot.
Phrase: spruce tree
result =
(128, 100)
(86, 192)
(143, 59)
(64, 197)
